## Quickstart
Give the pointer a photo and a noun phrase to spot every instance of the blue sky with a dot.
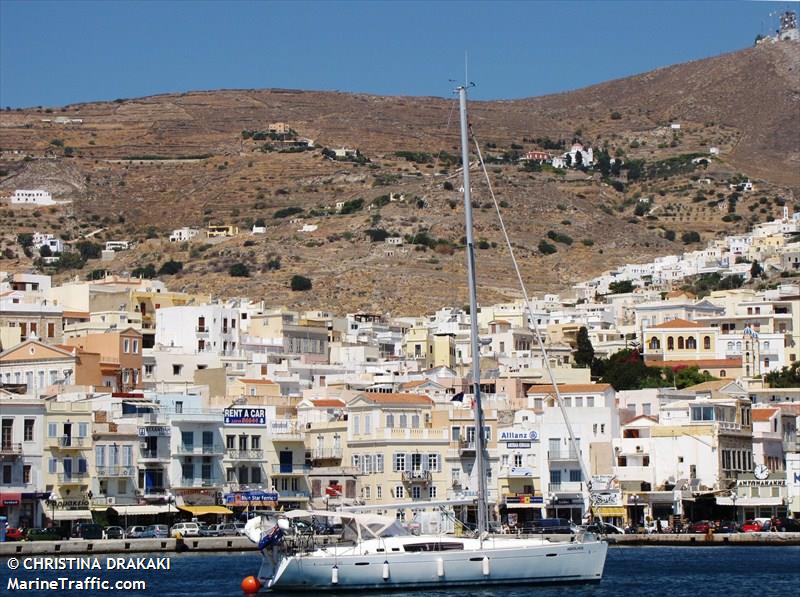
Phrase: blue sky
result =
(55, 53)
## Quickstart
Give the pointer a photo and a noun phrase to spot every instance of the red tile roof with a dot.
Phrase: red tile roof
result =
(263, 382)
(569, 388)
(763, 414)
(677, 324)
(699, 363)
(328, 402)
(392, 398)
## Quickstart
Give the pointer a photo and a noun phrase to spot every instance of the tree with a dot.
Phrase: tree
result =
(620, 287)
(545, 248)
(239, 270)
(170, 268)
(300, 283)
(88, 249)
(44, 251)
(625, 370)
(756, 270)
(788, 377)
(584, 351)
(148, 271)
(25, 239)
(690, 237)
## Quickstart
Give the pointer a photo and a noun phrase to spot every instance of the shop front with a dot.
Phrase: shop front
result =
(570, 506)
(64, 514)
(22, 509)
(607, 505)
(521, 509)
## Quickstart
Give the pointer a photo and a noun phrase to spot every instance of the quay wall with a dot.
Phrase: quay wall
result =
(696, 539)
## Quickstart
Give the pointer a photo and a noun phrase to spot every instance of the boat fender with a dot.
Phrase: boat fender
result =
(386, 570)
(335, 575)
(439, 567)
(485, 566)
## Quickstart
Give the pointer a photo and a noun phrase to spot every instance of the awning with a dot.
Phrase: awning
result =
(66, 514)
(201, 510)
(750, 501)
(520, 506)
(610, 510)
(143, 510)
(10, 498)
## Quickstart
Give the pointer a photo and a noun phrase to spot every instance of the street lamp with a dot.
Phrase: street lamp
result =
(636, 509)
(52, 497)
(169, 498)
(735, 513)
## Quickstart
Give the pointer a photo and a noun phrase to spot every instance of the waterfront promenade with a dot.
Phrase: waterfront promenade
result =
(222, 544)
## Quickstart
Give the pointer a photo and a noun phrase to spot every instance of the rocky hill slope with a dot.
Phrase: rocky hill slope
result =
(135, 169)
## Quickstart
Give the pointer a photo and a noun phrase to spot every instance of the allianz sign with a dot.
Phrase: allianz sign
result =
(518, 435)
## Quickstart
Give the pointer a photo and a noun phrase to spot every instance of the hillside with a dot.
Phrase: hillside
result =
(137, 168)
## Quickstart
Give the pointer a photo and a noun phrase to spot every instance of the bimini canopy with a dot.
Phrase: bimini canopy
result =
(357, 526)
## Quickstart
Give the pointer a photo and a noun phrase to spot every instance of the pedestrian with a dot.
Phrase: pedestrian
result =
(658, 526)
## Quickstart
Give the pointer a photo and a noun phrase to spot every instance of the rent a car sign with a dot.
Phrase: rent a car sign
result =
(245, 416)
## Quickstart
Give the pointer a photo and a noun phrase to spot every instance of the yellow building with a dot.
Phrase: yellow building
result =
(67, 461)
(222, 230)
(680, 340)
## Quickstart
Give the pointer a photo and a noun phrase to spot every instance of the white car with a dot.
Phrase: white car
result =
(186, 529)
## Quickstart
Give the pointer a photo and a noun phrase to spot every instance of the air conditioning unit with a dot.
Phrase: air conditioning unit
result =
(111, 500)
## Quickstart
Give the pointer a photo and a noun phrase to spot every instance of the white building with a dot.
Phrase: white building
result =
(201, 328)
(183, 234)
(56, 245)
(33, 197)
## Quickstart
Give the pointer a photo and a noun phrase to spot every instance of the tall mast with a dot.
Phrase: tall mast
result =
(480, 466)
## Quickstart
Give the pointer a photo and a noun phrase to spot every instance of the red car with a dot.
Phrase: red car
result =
(752, 526)
(14, 534)
(701, 526)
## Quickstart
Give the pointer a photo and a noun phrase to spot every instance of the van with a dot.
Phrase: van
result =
(186, 529)
(87, 530)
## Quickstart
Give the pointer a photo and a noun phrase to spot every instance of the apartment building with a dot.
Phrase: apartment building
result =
(21, 445)
(37, 366)
(120, 357)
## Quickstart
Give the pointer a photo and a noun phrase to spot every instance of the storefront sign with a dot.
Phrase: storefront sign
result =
(333, 490)
(521, 471)
(760, 483)
(524, 498)
(607, 499)
(154, 431)
(518, 445)
(79, 504)
(251, 498)
(245, 416)
(516, 435)
(10, 502)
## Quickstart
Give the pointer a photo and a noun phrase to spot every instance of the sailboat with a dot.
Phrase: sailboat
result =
(381, 554)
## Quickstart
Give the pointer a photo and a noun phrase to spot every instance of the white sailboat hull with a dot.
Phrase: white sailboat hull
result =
(504, 561)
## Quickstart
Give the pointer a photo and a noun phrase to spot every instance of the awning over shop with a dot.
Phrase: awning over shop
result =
(142, 510)
(520, 506)
(610, 510)
(745, 502)
(65, 514)
(10, 498)
(201, 510)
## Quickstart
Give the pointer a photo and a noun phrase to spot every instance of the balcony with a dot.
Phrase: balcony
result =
(244, 454)
(284, 431)
(66, 442)
(235, 486)
(634, 473)
(518, 472)
(321, 454)
(562, 456)
(119, 472)
(290, 469)
(417, 476)
(73, 478)
(566, 486)
(200, 450)
(155, 492)
(466, 447)
(152, 457)
(292, 495)
(201, 482)
(10, 450)
(201, 329)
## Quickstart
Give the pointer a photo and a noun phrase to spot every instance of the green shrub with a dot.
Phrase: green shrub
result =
(300, 283)
(545, 248)
(170, 268)
(239, 270)
(286, 212)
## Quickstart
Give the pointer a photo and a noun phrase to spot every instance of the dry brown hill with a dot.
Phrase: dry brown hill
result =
(199, 169)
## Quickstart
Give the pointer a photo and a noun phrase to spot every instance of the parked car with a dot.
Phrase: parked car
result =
(701, 526)
(15, 534)
(727, 526)
(789, 525)
(114, 533)
(208, 530)
(87, 530)
(604, 528)
(156, 531)
(227, 529)
(186, 529)
(555, 526)
(755, 525)
(134, 532)
(48, 534)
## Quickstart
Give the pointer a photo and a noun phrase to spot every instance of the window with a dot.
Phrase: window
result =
(399, 491)
(255, 442)
(82, 466)
(575, 475)
(135, 346)
(378, 463)
(83, 429)
(127, 455)
(27, 431)
(51, 330)
(654, 344)
(432, 492)
(602, 428)
(399, 463)
(517, 460)
(702, 413)
(26, 474)
(230, 442)
(126, 345)
(379, 492)
(590, 401)
(52, 430)
(707, 342)
(178, 406)
(646, 408)
(367, 492)
(670, 343)
(555, 477)
(578, 400)
(390, 421)
(415, 492)
(403, 421)
(356, 461)
(356, 425)
(368, 424)
(691, 343)
(148, 369)
(176, 369)
(52, 466)
(7, 474)
(255, 475)
(100, 455)
(680, 343)
(415, 421)
(433, 462)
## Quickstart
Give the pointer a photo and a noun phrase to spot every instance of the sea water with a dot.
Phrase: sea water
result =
(630, 571)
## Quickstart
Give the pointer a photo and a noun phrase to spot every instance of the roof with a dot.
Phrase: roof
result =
(763, 414)
(79, 314)
(414, 384)
(677, 324)
(706, 386)
(263, 382)
(699, 363)
(393, 398)
(570, 388)
(328, 402)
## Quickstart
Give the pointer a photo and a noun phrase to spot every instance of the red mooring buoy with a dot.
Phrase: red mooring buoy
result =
(251, 585)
